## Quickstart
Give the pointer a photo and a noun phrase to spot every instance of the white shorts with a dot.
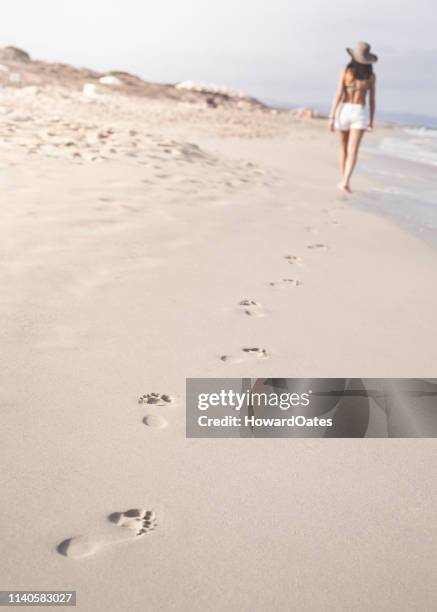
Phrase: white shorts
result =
(352, 116)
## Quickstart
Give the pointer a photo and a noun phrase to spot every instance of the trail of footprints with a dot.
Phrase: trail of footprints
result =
(252, 308)
(135, 523)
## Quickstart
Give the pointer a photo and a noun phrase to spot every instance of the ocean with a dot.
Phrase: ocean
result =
(404, 164)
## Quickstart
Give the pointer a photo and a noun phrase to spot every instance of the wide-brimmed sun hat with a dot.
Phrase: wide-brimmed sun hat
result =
(361, 53)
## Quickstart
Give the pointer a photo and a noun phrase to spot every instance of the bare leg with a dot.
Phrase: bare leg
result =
(344, 138)
(351, 159)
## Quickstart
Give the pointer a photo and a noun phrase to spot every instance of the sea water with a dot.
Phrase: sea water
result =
(403, 164)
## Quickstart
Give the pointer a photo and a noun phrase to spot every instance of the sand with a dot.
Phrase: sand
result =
(146, 241)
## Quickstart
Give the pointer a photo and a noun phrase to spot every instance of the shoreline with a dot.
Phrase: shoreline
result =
(404, 188)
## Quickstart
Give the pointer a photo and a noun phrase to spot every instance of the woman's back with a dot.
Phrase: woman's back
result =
(355, 90)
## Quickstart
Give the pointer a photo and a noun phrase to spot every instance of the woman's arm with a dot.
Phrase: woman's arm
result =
(372, 97)
(337, 99)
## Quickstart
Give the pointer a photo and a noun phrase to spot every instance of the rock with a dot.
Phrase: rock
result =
(92, 90)
(110, 80)
(89, 90)
(210, 88)
(210, 101)
(13, 54)
(307, 113)
(15, 77)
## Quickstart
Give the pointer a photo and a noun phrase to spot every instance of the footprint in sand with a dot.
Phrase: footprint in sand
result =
(293, 259)
(252, 308)
(250, 352)
(156, 421)
(121, 527)
(286, 282)
(318, 247)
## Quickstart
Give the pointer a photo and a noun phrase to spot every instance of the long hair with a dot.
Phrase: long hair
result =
(361, 72)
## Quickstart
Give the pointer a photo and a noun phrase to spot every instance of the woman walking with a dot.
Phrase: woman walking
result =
(349, 113)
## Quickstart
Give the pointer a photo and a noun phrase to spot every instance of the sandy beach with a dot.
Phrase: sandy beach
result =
(145, 240)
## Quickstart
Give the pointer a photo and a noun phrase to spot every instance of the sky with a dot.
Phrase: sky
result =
(283, 51)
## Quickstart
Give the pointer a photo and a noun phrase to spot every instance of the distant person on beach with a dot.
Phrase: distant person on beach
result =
(349, 113)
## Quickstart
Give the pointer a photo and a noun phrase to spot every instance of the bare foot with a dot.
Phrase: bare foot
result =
(344, 187)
